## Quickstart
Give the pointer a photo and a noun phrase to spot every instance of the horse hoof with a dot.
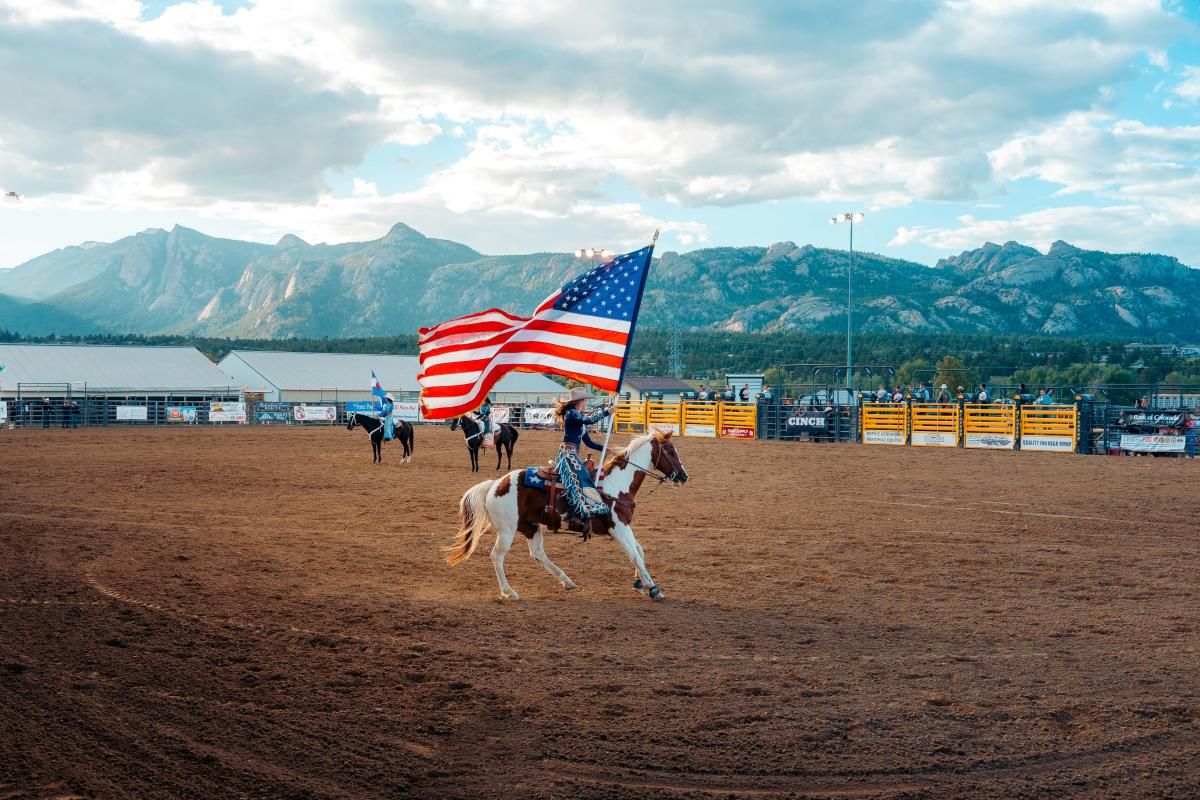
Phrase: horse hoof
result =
(656, 593)
(570, 586)
(513, 596)
(637, 585)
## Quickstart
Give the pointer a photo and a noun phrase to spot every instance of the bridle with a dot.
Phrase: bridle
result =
(660, 476)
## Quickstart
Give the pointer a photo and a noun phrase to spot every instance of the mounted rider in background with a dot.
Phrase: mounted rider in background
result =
(484, 417)
(389, 425)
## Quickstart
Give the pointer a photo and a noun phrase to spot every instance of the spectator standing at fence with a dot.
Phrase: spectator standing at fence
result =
(944, 395)
(766, 395)
(744, 393)
(703, 393)
(881, 394)
(1189, 434)
(983, 396)
(897, 395)
(1044, 399)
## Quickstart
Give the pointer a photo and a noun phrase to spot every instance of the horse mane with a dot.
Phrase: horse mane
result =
(623, 454)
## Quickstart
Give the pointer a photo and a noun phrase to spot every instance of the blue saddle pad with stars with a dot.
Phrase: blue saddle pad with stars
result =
(531, 478)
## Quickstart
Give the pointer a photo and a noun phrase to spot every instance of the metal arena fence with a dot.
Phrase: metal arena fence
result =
(1095, 420)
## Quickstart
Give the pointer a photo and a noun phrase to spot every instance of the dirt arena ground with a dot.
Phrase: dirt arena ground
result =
(262, 613)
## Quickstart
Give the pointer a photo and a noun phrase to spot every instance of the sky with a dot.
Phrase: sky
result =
(549, 125)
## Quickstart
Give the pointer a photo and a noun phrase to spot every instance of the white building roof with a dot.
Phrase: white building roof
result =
(352, 372)
(109, 367)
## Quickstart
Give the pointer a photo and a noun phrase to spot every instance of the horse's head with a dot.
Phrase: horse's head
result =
(353, 421)
(665, 458)
(454, 424)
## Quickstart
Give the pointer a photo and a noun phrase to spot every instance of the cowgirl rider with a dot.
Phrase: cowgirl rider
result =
(583, 499)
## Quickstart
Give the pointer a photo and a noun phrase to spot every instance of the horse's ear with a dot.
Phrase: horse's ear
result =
(667, 433)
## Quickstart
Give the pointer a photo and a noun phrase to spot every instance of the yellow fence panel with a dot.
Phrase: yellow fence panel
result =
(991, 427)
(1049, 428)
(934, 424)
(700, 418)
(664, 416)
(630, 417)
(738, 420)
(884, 423)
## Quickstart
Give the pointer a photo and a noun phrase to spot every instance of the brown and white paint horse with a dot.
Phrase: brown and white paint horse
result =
(507, 506)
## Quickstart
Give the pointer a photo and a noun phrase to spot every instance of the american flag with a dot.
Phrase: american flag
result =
(581, 331)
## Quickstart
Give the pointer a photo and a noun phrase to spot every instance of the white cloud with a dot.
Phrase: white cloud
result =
(697, 102)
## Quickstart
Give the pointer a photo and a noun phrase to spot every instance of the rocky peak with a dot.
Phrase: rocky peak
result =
(289, 241)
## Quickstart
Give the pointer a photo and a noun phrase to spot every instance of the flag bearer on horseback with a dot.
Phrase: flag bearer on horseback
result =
(389, 424)
(579, 489)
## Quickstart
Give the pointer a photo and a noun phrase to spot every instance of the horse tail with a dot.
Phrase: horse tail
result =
(515, 433)
(473, 517)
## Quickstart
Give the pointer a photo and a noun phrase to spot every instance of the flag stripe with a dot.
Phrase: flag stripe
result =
(470, 393)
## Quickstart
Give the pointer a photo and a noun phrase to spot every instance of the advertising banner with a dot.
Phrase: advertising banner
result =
(732, 432)
(1152, 443)
(664, 427)
(315, 413)
(131, 414)
(538, 416)
(3, 410)
(1154, 419)
(186, 414)
(361, 407)
(411, 412)
(227, 412)
(269, 412)
(934, 439)
(807, 423)
(1052, 444)
(700, 430)
(883, 437)
(501, 414)
(989, 441)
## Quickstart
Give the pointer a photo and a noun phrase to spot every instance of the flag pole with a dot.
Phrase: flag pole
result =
(612, 421)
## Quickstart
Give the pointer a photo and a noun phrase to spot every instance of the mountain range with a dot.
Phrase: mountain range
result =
(182, 281)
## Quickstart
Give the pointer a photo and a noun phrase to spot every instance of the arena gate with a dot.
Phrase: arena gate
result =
(700, 418)
(935, 425)
(1051, 428)
(630, 417)
(989, 427)
(885, 423)
(738, 420)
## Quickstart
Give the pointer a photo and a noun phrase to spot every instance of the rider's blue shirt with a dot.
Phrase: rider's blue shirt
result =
(575, 426)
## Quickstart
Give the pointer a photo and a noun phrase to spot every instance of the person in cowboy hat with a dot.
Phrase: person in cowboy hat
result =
(583, 499)
(385, 414)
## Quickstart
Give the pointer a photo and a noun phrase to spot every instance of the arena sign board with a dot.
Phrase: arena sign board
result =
(1052, 444)
(934, 439)
(989, 441)
(1152, 443)
(272, 412)
(1160, 419)
(314, 413)
(735, 432)
(411, 412)
(185, 414)
(3, 410)
(807, 423)
(701, 430)
(361, 407)
(227, 412)
(131, 414)
(538, 416)
(883, 437)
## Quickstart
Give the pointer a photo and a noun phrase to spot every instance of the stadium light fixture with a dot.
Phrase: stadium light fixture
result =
(851, 217)
(588, 253)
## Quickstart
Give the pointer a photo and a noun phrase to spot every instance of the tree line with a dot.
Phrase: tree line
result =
(794, 357)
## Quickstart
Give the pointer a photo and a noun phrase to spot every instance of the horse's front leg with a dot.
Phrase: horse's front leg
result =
(537, 550)
(500, 455)
(624, 536)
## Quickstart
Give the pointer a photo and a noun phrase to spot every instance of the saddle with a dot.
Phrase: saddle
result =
(547, 479)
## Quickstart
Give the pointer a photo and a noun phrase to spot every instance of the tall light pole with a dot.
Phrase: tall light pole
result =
(851, 217)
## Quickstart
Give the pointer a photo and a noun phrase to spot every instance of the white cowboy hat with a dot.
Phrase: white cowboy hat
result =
(579, 393)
